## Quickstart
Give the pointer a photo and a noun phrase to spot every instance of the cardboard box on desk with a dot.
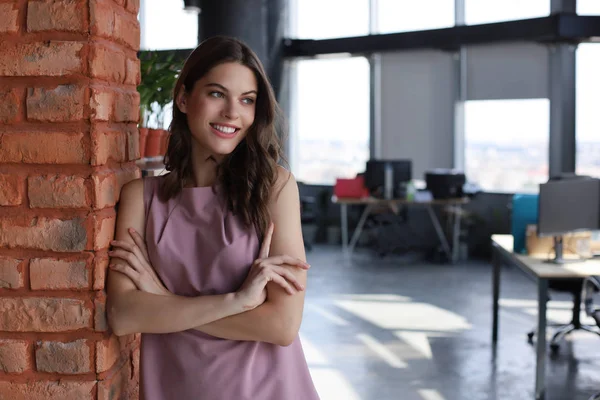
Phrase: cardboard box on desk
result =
(575, 244)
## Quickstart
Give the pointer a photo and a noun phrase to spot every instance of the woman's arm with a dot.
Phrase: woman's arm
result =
(131, 310)
(278, 319)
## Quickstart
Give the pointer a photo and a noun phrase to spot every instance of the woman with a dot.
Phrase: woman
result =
(219, 314)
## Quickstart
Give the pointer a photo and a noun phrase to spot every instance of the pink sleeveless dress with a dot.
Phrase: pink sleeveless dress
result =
(200, 248)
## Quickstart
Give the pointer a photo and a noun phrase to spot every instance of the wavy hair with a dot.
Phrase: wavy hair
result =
(249, 173)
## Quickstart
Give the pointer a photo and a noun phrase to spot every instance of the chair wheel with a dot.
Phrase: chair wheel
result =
(530, 335)
(554, 347)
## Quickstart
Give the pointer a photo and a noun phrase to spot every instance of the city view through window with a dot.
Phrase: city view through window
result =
(506, 141)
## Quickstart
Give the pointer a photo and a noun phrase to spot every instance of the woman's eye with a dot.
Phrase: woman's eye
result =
(216, 94)
(248, 100)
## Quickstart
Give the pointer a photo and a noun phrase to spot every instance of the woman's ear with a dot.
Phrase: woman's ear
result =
(181, 100)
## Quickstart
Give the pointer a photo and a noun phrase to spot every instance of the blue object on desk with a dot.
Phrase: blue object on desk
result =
(524, 212)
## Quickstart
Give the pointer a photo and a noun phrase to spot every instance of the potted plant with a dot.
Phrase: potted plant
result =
(158, 77)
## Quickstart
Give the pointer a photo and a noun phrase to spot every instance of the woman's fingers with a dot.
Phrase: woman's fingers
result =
(288, 276)
(127, 270)
(278, 279)
(266, 245)
(285, 259)
(128, 256)
(139, 241)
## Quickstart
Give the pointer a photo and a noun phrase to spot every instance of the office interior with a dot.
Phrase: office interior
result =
(501, 95)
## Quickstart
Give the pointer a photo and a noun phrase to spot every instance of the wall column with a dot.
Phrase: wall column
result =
(68, 141)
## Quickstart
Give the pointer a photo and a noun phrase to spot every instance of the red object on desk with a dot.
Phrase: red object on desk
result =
(350, 188)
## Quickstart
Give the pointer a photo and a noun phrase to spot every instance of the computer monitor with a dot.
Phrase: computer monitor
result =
(375, 175)
(565, 206)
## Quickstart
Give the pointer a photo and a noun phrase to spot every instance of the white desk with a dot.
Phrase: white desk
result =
(541, 272)
(394, 204)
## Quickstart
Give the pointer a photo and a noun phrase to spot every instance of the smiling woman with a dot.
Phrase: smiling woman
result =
(209, 261)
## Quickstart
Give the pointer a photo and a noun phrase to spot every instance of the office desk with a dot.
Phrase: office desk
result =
(372, 203)
(541, 272)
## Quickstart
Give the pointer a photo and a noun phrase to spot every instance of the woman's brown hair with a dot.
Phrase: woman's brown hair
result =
(247, 175)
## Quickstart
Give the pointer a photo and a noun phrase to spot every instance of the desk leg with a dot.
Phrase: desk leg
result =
(439, 231)
(359, 227)
(456, 233)
(497, 265)
(540, 365)
(344, 221)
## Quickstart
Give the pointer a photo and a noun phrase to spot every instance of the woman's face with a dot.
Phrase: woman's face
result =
(220, 108)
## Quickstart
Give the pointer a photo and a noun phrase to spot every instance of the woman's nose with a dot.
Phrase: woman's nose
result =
(230, 110)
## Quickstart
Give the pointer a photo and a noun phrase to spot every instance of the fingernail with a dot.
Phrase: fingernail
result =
(307, 265)
(131, 230)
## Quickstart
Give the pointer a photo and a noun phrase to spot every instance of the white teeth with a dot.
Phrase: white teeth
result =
(224, 129)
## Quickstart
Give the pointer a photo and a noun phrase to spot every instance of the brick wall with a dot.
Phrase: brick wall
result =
(68, 139)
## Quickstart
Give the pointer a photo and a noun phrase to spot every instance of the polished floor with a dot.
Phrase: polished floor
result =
(390, 329)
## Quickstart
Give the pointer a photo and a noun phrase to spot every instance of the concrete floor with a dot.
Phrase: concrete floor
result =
(387, 329)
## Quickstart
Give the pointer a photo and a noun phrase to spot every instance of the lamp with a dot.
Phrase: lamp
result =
(192, 6)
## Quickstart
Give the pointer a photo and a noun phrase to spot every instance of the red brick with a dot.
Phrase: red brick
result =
(52, 274)
(14, 356)
(132, 71)
(52, 58)
(100, 321)
(61, 104)
(133, 6)
(63, 358)
(104, 232)
(43, 148)
(57, 191)
(11, 273)
(127, 106)
(101, 104)
(117, 386)
(127, 30)
(37, 314)
(44, 234)
(108, 353)
(9, 20)
(105, 190)
(107, 64)
(133, 144)
(10, 102)
(11, 193)
(63, 390)
(67, 15)
(127, 174)
(108, 145)
(102, 19)
(100, 266)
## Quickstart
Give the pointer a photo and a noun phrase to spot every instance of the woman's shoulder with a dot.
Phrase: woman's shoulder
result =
(285, 184)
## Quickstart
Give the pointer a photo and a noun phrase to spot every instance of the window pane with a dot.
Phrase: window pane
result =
(588, 118)
(506, 144)
(330, 119)
(488, 11)
(588, 7)
(322, 19)
(157, 23)
(410, 15)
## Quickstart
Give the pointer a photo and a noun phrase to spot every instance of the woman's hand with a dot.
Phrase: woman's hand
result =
(265, 269)
(137, 266)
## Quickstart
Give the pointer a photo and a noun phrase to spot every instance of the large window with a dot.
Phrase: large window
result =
(411, 15)
(489, 11)
(323, 19)
(506, 144)
(330, 119)
(588, 101)
(165, 25)
(588, 7)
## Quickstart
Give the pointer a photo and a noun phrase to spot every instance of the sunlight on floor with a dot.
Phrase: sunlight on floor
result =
(405, 316)
(430, 394)
(382, 351)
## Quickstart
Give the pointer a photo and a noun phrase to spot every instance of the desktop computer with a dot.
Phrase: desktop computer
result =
(568, 205)
(384, 178)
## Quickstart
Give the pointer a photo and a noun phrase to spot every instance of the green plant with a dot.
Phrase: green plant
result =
(159, 74)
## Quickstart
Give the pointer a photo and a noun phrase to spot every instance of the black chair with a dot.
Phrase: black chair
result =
(591, 286)
(572, 286)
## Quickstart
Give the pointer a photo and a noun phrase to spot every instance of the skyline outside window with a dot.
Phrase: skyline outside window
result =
(587, 121)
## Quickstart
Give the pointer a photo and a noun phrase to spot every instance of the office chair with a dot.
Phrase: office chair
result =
(572, 286)
(591, 285)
